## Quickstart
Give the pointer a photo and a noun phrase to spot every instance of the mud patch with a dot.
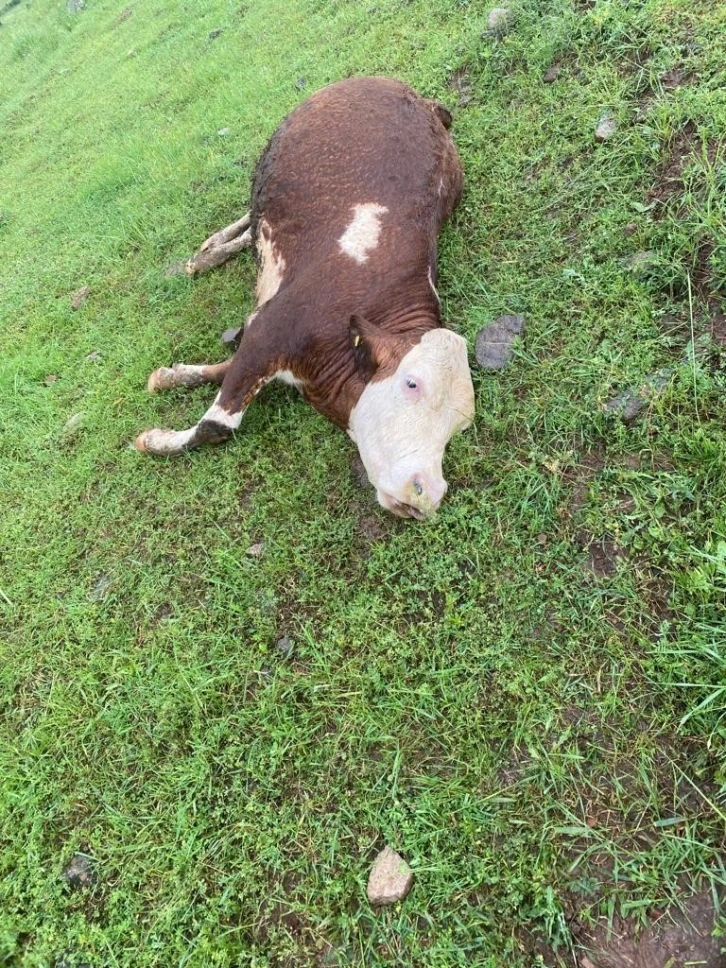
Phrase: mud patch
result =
(681, 936)
(669, 178)
(603, 555)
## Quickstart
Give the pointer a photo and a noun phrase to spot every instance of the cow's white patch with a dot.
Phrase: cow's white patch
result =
(250, 319)
(361, 236)
(402, 436)
(223, 417)
(286, 376)
(272, 265)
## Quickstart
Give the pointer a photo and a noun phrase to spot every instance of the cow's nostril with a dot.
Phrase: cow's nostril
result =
(418, 486)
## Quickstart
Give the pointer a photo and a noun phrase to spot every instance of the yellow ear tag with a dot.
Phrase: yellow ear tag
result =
(356, 341)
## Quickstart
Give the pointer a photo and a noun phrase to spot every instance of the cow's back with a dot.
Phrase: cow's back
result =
(365, 141)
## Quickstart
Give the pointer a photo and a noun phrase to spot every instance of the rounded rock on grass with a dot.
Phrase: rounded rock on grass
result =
(499, 21)
(606, 128)
(79, 297)
(390, 879)
(81, 871)
(551, 75)
(494, 342)
(231, 336)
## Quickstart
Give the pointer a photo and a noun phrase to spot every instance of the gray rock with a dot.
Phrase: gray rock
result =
(75, 6)
(630, 403)
(93, 356)
(80, 872)
(605, 129)
(301, 83)
(101, 589)
(494, 342)
(223, 132)
(285, 646)
(231, 336)
(640, 261)
(74, 423)
(256, 550)
(80, 296)
(550, 75)
(390, 879)
(499, 21)
(50, 379)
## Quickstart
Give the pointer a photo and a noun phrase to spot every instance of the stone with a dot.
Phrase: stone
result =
(301, 83)
(213, 34)
(223, 132)
(285, 646)
(101, 589)
(499, 21)
(640, 261)
(630, 403)
(80, 872)
(50, 379)
(494, 342)
(93, 356)
(631, 228)
(390, 879)
(605, 129)
(80, 296)
(231, 336)
(74, 423)
(256, 550)
(550, 75)
(75, 6)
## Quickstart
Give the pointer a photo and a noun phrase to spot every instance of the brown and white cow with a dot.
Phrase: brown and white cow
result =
(347, 203)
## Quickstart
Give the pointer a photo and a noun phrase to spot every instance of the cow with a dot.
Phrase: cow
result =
(347, 203)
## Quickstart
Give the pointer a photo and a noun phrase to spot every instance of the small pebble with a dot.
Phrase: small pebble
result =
(80, 872)
(256, 550)
(101, 589)
(223, 132)
(641, 260)
(390, 879)
(605, 129)
(93, 356)
(285, 647)
(231, 336)
(301, 83)
(74, 423)
(631, 228)
(551, 75)
(80, 296)
(50, 379)
(499, 21)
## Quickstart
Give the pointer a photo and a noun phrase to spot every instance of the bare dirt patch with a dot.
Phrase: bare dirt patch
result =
(669, 178)
(680, 936)
(460, 82)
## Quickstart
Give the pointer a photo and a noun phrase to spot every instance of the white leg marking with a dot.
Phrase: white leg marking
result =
(361, 236)
(272, 265)
(165, 442)
(221, 416)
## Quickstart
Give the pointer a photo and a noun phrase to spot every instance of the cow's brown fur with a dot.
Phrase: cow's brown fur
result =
(363, 140)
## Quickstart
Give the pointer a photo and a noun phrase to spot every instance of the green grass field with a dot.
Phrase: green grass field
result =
(525, 697)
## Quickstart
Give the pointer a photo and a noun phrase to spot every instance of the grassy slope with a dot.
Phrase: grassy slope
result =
(468, 691)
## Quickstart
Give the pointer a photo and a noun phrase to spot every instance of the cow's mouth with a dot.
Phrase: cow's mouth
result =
(400, 508)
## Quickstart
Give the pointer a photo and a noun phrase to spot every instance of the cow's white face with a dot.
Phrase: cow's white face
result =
(402, 423)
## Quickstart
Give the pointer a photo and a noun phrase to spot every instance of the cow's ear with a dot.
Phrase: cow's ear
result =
(366, 339)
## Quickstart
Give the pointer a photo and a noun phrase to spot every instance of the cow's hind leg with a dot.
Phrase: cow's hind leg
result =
(221, 246)
(185, 375)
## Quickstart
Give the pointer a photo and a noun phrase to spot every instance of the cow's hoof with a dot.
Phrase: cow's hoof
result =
(140, 442)
(162, 379)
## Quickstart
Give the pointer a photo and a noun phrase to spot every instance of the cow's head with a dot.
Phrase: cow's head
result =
(415, 399)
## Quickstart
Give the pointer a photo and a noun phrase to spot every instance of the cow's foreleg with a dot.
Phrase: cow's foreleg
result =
(242, 379)
(221, 246)
(184, 375)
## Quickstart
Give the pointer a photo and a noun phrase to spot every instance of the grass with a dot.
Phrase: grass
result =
(524, 697)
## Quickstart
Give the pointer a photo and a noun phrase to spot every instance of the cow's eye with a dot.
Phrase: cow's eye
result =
(411, 384)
